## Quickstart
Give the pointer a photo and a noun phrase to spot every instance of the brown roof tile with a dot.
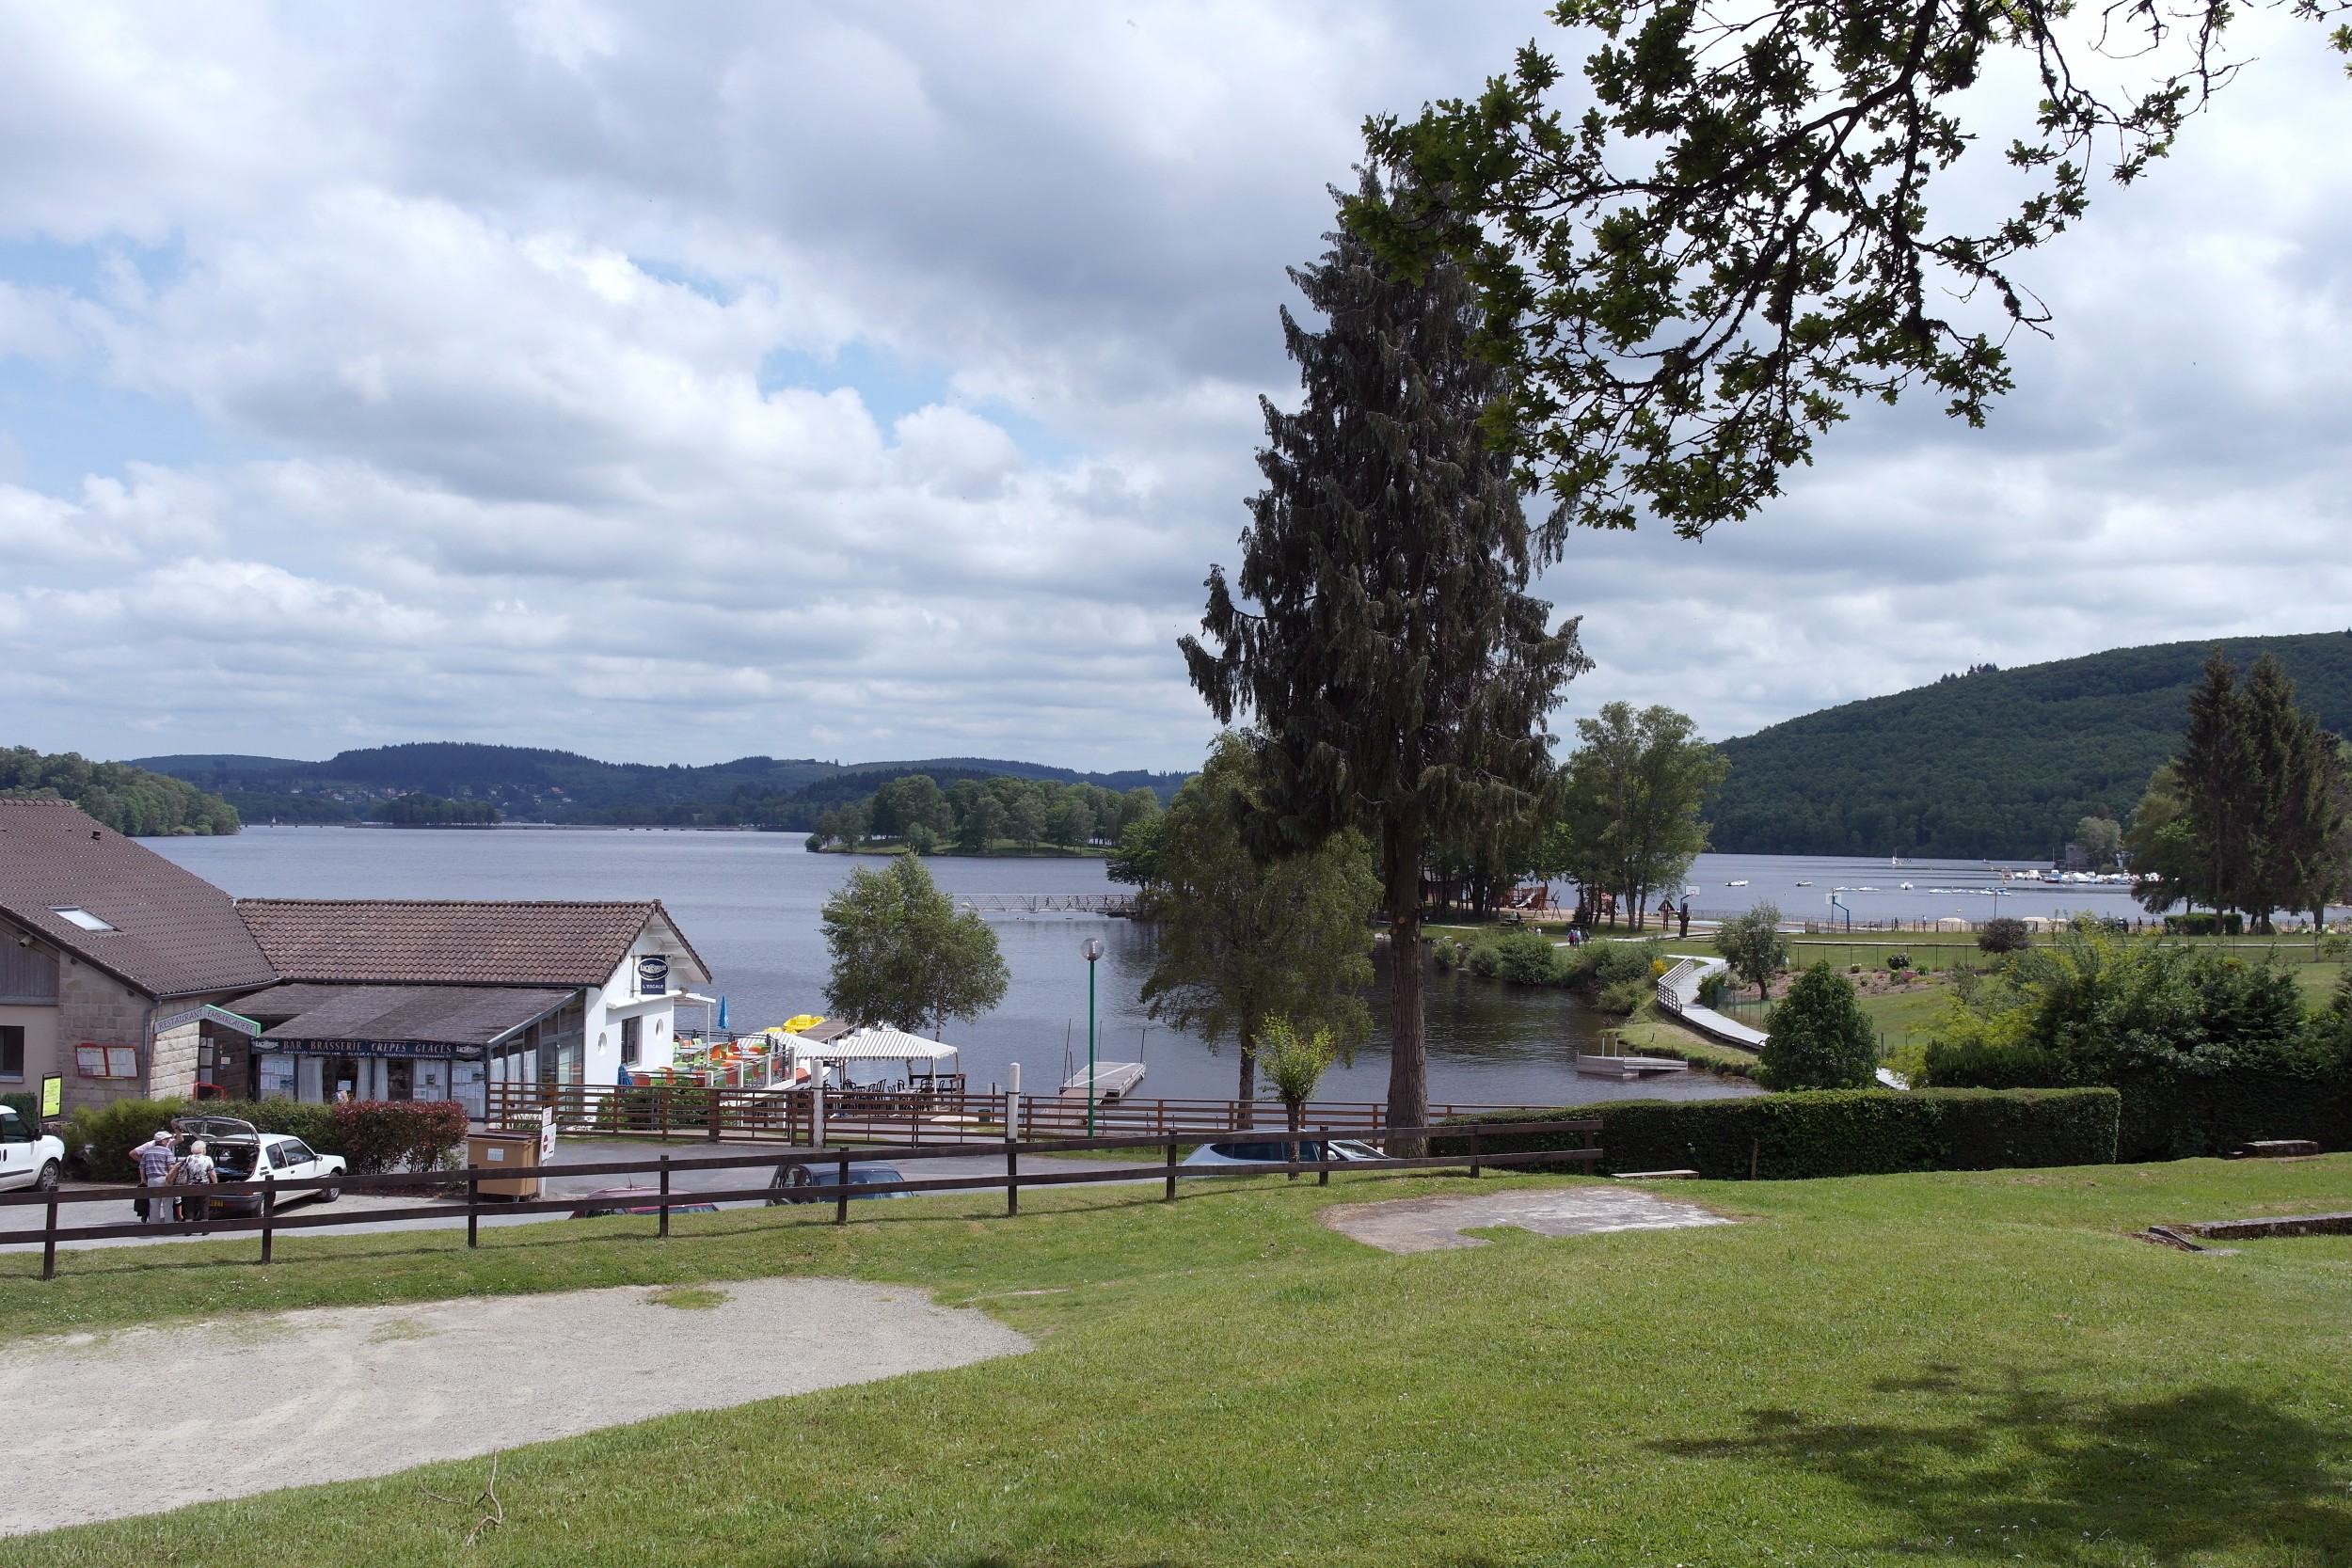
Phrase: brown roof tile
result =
(175, 933)
(453, 941)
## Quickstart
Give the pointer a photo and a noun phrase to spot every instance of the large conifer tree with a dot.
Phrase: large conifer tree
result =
(2216, 787)
(1399, 673)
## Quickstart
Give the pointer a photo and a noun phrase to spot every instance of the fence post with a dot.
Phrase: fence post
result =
(1475, 1151)
(661, 1093)
(817, 1115)
(473, 1205)
(1013, 1177)
(1171, 1172)
(841, 1200)
(49, 1240)
(665, 1197)
(269, 1208)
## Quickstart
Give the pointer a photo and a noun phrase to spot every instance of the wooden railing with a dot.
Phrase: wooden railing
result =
(772, 1168)
(917, 1117)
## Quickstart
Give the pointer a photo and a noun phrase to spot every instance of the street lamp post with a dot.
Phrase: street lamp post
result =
(1092, 948)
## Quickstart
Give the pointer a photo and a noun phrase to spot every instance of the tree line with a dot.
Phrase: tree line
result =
(2254, 814)
(985, 816)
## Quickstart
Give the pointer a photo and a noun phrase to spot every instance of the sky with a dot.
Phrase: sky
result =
(673, 384)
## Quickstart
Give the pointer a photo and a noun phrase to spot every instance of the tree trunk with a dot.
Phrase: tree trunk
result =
(1248, 1091)
(1408, 1048)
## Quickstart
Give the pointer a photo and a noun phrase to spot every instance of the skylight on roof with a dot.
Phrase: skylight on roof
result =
(83, 918)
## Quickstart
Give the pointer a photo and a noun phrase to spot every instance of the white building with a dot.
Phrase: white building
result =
(400, 999)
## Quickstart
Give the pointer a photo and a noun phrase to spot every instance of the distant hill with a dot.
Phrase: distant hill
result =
(1995, 763)
(531, 784)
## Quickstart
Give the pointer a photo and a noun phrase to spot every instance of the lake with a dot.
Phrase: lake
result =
(748, 903)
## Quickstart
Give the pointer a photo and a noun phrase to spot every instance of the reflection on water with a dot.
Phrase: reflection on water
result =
(748, 903)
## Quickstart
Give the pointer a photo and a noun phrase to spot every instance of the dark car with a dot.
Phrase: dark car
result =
(791, 1183)
(636, 1200)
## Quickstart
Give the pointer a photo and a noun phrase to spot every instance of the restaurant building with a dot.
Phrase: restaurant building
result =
(400, 999)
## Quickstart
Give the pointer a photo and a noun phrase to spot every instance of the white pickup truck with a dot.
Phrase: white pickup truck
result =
(29, 1156)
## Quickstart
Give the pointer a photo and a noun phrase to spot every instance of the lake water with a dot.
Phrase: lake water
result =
(748, 903)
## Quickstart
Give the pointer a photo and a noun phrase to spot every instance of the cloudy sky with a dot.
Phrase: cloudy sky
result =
(677, 382)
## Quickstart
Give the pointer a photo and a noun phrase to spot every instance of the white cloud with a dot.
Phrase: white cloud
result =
(483, 304)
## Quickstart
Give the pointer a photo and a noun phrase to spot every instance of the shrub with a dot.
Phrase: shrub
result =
(1820, 1037)
(1483, 961)
(1983, 1065)
(27, 1105)
(1898, 961)
(2004, 934)
(314, 1124)
(1834, 1131)
(399, 1134)
(110, 1132)
(1627, 996)
(1527, 958)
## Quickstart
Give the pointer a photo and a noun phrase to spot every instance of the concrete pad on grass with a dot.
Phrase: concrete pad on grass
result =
(1436, 1224)
(138, 1420)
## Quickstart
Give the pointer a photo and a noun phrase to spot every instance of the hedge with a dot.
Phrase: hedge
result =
(2177, 1115)
(375, 1136)
(1834, 1131)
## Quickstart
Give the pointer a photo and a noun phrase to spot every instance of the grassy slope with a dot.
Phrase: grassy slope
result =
(1953, 1368)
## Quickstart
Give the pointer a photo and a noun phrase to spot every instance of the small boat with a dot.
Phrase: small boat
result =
(1805, 884)
(1741, 883)
(1906, 887)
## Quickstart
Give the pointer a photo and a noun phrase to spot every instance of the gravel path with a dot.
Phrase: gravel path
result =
(1436, 1224)
(251, 1404)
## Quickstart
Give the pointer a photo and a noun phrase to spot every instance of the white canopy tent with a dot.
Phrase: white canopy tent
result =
(878, 1043)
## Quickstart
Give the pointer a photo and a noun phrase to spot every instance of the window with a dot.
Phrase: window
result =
(13, 1051)
(83, 918)
(13, 1128)
(297, 1152)
(631, 1029)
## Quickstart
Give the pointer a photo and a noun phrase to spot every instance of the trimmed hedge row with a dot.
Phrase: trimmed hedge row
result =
(1834, 1131)
(375, 1136)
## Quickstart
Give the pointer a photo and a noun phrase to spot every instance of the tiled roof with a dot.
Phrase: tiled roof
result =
(453, 941)
(418, 1015)
(175, 933)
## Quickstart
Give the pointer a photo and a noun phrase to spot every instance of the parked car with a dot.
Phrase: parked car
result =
(790, 1184)
(243, 1152)
(636, 1200)
(1274, 1153)
(29, 1156)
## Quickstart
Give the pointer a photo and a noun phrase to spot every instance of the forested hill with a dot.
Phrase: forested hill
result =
(537, 785)
(130, 800)
(1997, 764)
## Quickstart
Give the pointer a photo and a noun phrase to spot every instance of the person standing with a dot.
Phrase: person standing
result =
(197, 1170)
(154, 1161)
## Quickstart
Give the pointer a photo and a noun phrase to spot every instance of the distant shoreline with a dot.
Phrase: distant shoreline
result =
(1040, 852)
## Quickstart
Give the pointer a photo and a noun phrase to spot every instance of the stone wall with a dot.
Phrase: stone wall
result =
(94, 1007)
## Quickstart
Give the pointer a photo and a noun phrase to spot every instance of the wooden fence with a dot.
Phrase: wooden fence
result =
(669, 1111)
(774, 1167)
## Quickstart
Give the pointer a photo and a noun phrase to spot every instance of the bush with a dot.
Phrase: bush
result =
(110, 1132)
(1483, 961)
(1898, 961)
(1834, 1131)
(1627, 996)
(399, 1134)
(1981, 1065)
(1527, 958)
(27, 1105)
(2204, 923)
(2006, 934)
(314, 1124)
(1820, 1037)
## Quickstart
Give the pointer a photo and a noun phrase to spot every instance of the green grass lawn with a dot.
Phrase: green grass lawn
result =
(1979, 1367)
